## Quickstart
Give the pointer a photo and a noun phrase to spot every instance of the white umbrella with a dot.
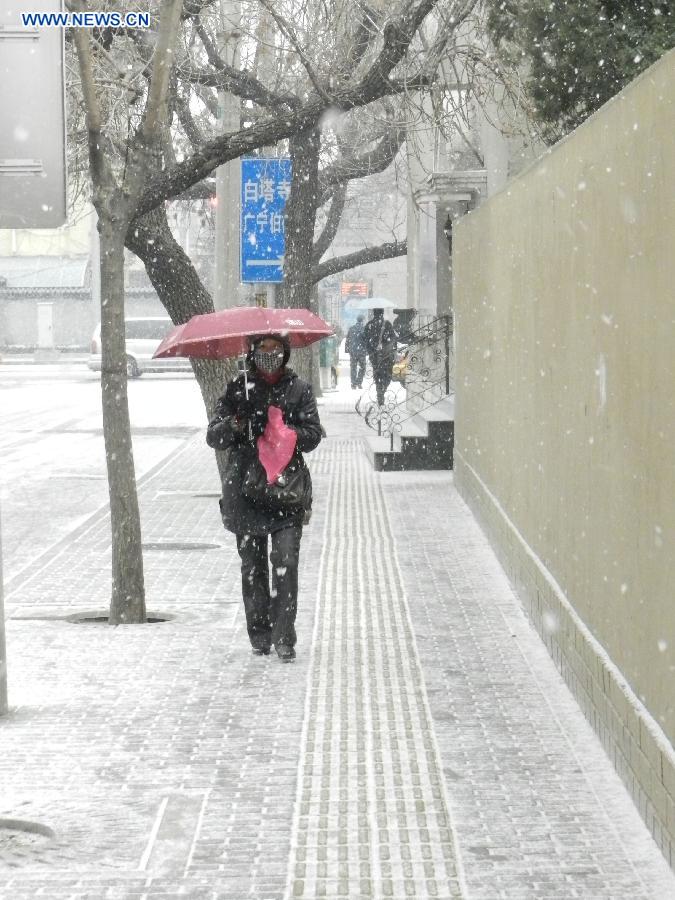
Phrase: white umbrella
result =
(371, 303)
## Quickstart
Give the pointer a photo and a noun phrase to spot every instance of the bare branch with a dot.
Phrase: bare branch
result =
(325, 239)
(288, 31)
(236, 81)
(168, 147)
(207, 98)
(358, 258)
(161, 69)
(205, 190)
(336, 174)
(101, 171)
(397, 33)
(375, 84)
(151, 240)
(410, 85)
(224, 148)
(192, 8)
(370, 163)
(359, 43)
(186, 120)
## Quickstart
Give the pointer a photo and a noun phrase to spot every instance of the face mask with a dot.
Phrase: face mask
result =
(268, 362)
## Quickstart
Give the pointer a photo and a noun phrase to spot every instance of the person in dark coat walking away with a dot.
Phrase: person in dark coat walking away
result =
(380, 340)
(238, 422)
(356, 348)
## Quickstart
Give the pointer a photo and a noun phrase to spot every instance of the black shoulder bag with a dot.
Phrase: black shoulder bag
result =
(291, 491)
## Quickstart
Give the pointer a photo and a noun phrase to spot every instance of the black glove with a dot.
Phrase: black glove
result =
(258, 422)
(223, 433)
(239, 426)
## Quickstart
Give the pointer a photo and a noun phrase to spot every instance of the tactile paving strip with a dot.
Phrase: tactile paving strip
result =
(372, 817)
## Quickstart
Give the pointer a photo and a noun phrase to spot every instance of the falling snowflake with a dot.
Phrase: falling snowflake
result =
(550, 623)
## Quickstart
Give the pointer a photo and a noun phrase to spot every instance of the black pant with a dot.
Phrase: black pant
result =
(357, 365)
(382, 370)
(270, 614)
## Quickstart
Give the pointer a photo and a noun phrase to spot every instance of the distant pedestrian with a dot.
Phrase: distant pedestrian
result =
(329, 355)
(355, 346)
(335, 364)
(380, 340)
(238, 422)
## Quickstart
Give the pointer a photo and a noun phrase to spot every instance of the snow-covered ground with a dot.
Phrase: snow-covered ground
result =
(52, 460)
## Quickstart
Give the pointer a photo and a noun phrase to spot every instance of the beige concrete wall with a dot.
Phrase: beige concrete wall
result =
(565, 415)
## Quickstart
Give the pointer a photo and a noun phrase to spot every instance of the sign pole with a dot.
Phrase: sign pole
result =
(32, 151)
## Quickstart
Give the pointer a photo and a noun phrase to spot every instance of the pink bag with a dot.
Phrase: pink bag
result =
(276, 445)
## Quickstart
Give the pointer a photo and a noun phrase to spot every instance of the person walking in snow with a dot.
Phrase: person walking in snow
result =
(240, 419)
(380, 340)
(356, 348)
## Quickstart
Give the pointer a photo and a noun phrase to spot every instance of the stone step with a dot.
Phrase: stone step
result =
(412, 428)
(410, 453)
(443, 411)
(424, 441)
(382, 457)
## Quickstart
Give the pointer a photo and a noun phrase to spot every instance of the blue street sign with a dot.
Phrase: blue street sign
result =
(265, 186)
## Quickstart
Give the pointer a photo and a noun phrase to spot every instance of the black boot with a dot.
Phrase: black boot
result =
(285, 653)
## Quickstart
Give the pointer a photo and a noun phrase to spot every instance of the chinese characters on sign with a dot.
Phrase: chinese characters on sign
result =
(354, 288)
(265, 187)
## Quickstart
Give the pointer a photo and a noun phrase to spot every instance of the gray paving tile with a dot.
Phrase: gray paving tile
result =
(428, 730)
(538, 808)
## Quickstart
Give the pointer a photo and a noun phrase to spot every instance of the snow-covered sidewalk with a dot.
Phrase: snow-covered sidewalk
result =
(423, 744)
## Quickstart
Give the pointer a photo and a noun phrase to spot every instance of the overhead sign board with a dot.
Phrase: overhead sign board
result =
(265, 187)
(354, 288)
(32, 119)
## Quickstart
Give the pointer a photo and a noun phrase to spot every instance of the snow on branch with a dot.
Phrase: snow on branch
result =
(389, 250)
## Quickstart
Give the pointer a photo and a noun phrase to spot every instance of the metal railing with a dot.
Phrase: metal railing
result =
(422, 375)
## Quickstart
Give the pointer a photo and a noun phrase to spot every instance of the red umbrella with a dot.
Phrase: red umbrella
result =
(228, 332)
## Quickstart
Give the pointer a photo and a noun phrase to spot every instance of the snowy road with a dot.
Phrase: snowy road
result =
(52, 461)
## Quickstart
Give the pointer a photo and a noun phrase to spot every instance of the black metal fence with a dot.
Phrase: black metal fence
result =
(422, 376)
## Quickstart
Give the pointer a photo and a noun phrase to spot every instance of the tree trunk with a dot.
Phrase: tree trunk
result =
(297, 287)
(170, 270)
(128, 589)
(182, 294)
(116, 204)
(301, 209)
(212, 376)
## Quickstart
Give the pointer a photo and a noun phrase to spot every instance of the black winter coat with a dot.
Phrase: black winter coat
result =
(355, 344)
(296, 400)
(380, 339)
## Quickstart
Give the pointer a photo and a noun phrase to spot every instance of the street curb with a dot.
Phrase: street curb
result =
(8, 359)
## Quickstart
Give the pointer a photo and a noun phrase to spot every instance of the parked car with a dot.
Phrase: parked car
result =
(143, 336)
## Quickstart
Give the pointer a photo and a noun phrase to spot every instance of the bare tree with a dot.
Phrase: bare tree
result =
(116, 196)
(146, 147)
(349, 74)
